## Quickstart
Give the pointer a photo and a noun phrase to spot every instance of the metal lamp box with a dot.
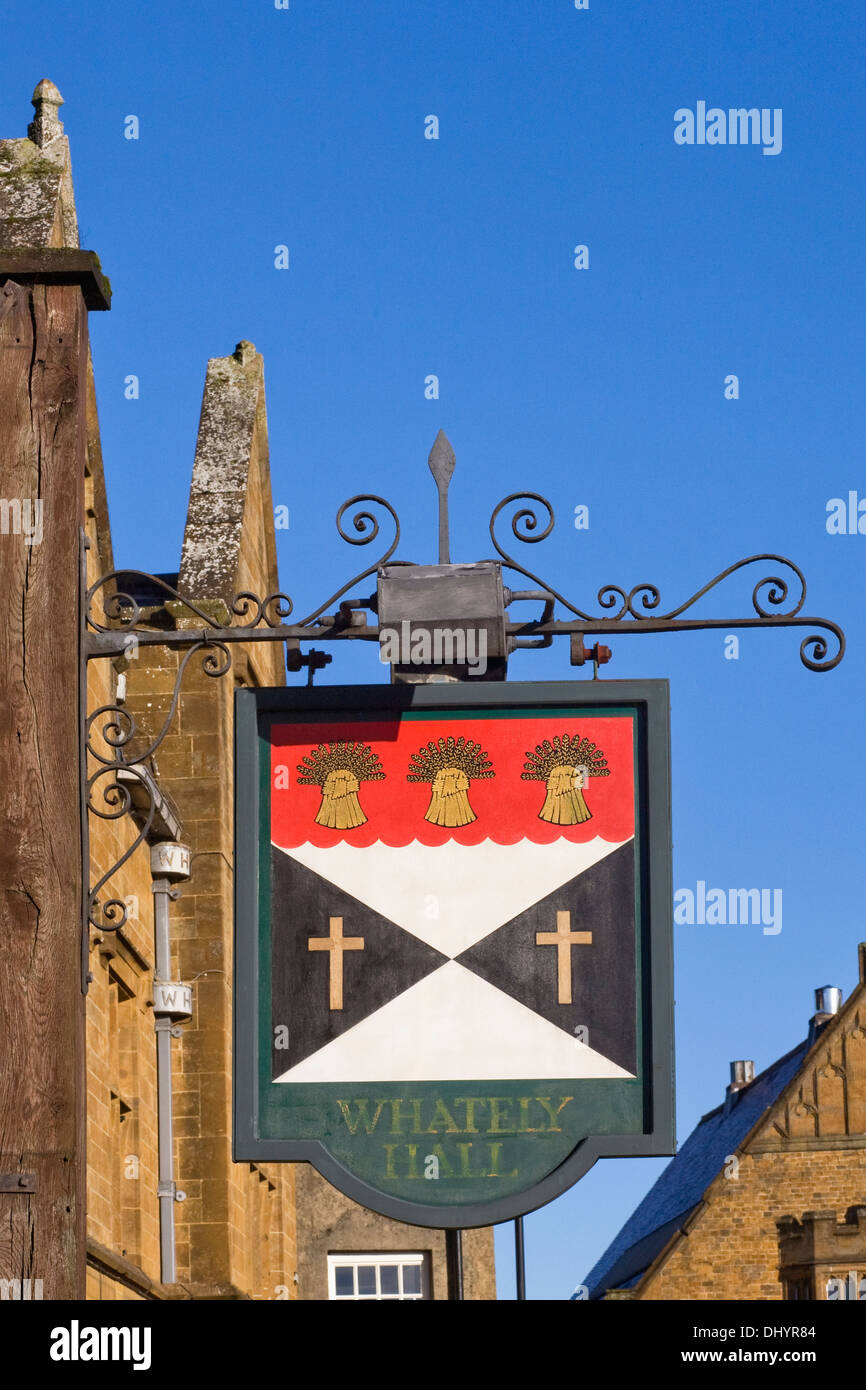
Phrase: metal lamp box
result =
(453, 614)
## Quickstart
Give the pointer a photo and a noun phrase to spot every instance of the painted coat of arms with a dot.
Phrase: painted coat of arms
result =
(453, 940)
(453, 897)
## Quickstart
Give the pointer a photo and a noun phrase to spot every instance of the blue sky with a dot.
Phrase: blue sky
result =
(604, 386)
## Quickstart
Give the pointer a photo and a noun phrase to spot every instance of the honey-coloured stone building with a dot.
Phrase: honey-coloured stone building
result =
(151, 1206)
(766, 1199)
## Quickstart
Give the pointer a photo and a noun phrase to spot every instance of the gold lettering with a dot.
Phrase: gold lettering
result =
(495, 1117)
(494, 1163)
(465, 1169)
(442, 1113)
(553, 1128)
(445, 1168)
(397, 1118)
(411, 1150)
(470, 1102)
(525, 1127)
(363, 1115)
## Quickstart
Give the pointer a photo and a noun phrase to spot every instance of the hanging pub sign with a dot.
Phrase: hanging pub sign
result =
(453, 938)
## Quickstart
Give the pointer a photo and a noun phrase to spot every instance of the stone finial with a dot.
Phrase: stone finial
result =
(228, 445)
(244, 352)
(46, 126)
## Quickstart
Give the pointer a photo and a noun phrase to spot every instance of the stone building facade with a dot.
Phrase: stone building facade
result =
(242, 1230)
(766, 1199)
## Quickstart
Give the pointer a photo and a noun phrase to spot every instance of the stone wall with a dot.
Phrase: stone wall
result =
(331, 1224)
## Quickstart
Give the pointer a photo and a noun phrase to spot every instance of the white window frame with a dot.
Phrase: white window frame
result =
(353, 1259)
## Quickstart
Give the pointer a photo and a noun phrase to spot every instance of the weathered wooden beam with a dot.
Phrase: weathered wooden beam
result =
(43, 392)
(62, 265)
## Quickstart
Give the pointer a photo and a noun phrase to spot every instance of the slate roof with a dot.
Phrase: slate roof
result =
(141, 587)
(681, 1186)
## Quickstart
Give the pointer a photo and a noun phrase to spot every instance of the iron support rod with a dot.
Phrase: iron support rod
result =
(115, 642)
(519, 1259)
(84, 830)
(441, 463)
(444, 539)
(620, 626)
(454, 1260)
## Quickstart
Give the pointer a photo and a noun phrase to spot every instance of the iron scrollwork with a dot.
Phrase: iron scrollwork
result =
(108, 796)
(114, 913)
(636, 607)
(115, 631)
(200, 628)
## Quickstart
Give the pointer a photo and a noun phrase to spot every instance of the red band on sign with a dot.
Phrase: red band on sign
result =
(334, 782)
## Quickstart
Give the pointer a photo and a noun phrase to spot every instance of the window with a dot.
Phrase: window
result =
(798, 1290)
(356, 1277)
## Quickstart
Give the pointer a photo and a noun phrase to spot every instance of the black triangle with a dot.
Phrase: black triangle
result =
(302, 904)
(600, 901)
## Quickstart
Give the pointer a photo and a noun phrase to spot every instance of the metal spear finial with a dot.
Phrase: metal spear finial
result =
(442, 461)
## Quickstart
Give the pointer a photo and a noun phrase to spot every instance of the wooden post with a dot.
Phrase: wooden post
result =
(43, 394)
(43, 364)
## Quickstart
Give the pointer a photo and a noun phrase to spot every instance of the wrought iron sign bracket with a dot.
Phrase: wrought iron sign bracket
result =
(413, 605)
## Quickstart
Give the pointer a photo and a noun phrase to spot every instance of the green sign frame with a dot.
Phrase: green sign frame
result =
(506, 1147)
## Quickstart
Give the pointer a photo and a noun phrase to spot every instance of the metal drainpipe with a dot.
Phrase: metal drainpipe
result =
(169, 862)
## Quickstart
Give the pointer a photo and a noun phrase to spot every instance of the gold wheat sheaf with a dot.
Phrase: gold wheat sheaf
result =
(339, 769)
(561, 763)
(449, 765)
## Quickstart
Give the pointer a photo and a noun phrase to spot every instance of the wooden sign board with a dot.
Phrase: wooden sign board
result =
(453, 938)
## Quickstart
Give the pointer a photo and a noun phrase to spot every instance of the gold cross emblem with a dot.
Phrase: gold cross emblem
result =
(336, 944)
(563, 939)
